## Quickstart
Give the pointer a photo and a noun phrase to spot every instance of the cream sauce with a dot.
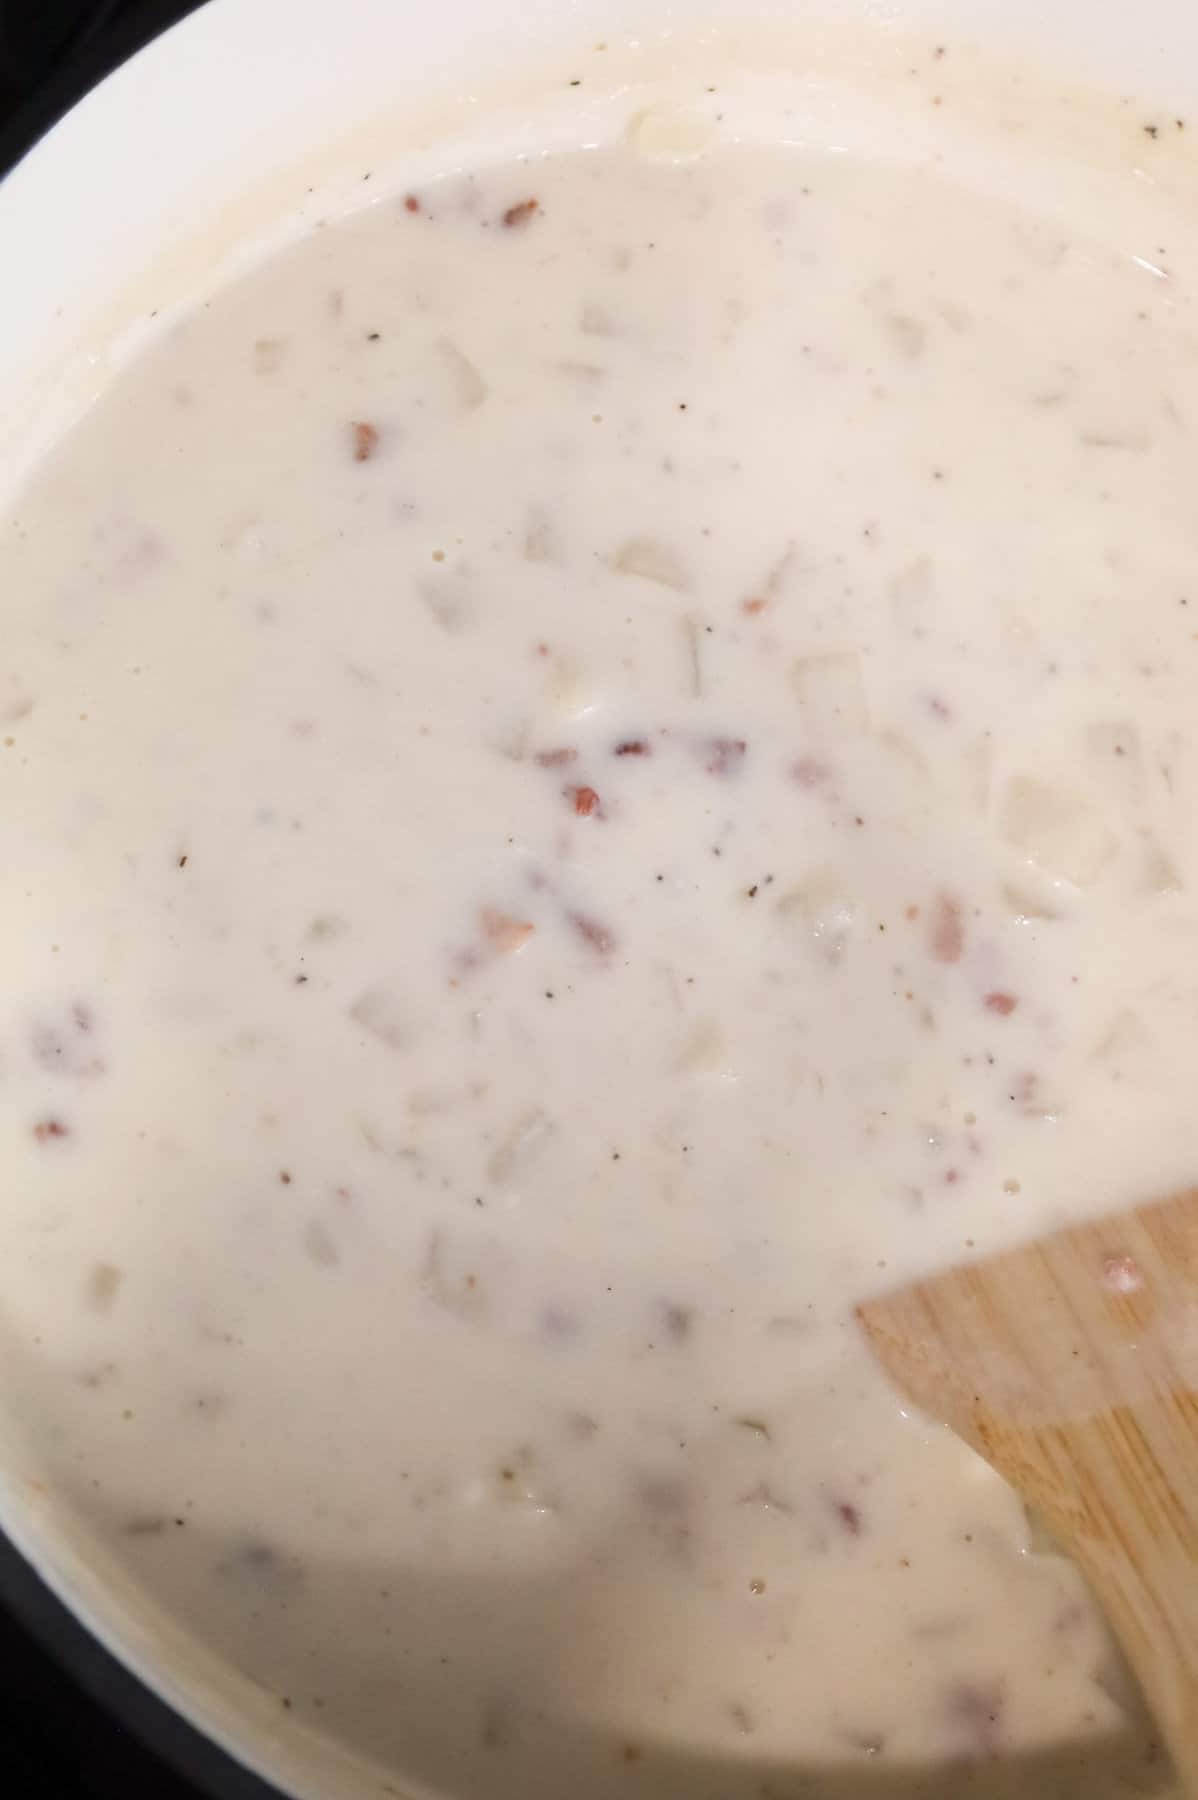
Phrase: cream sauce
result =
(599, 761)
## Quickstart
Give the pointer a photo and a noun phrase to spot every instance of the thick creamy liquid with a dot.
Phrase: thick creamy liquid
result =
(586, 784)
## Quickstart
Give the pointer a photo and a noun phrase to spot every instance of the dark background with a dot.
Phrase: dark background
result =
(73, 1726)
(52, 51)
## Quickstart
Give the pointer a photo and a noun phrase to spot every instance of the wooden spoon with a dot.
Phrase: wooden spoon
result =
(1071, 1366)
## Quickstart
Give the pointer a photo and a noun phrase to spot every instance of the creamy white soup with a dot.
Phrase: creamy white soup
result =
(599, 762)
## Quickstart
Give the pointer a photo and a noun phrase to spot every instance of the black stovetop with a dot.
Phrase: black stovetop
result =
(52, 51)
(73, 1726)
(62, 1745)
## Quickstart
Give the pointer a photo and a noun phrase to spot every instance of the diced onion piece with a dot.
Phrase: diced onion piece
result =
(1160, 874)
(1020, 639)
(511, 740)
(540, 545)
(1057, 829)
(831, 694)
(826, 910)
(1114, 743)
(16, 706)
(978, 766)
(909, 591)
(704, 1052)
(380, 1012)
(449, 603)
(525, 1139)
(597, 321)
(466, 384)
(904, 756)
(667, 134)
(245, 538)
(268, 355)
(692, 640)
(586, 374)
(1025, 900)
(907, 335)
(1123, 1034)
(652, 560)
(424, 1103)
(451, 1279)
(319, 1245)
(571, 688)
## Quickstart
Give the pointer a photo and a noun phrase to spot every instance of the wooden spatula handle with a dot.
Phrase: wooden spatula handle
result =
(1136, 1536)
(1072, 1367)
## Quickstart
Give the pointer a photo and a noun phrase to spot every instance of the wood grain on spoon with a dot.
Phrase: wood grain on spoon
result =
(1072, 1367)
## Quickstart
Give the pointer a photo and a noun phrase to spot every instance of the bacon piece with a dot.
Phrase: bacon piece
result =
(947, 928)
(522, 213)
(502, 931)
(366, 440)
(586, 800)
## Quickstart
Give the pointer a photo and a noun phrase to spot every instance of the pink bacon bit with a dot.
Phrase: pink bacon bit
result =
(633, 747)
(1122, 1274)
(60, 1042)
(723, 755)
(522, 213)
(810, 772)
(978, 1709)
(586, 801)
(365, 440)
(849, 1516)
(47, 1129)
(1027, 1091)
(411, 203)
(596, 936)
(556, 759)
(946, 930)
(1002, 1004)
(503, 932)
(754, 606)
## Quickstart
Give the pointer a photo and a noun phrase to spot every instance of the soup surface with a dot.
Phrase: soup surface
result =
(599, 761)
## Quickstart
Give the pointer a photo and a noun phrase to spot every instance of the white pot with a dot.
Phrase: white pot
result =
(222, 128)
